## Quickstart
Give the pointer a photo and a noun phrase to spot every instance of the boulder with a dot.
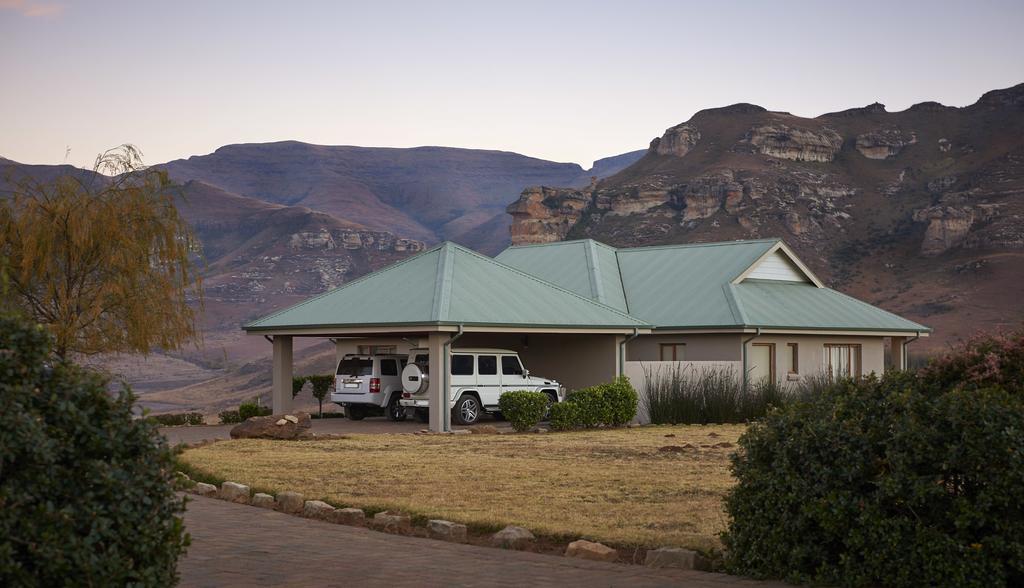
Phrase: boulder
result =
(349, 516)
(592, 551)
(674, 557)
(234, 492)
(271, 427)
(263, 500)
(290, 502)
(447, 530)
(181, 480)
(204, 489)
(392, 521)
(512, 537)
(318, 509)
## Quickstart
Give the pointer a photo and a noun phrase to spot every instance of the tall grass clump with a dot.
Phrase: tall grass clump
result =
(686, 395)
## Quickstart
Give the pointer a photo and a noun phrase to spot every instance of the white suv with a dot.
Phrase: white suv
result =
(365, 384)
(478, 378)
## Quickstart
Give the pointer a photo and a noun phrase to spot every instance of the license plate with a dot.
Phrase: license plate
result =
(351, 385)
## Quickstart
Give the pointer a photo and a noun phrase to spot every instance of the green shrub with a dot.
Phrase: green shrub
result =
(564, 416)
(612, 404)
(249, 409)
(590, 406)
(86, 491)
(297, 383)
(620, 401)
(321, 386)
(177, 419)
(523, 409)
(883, 482)
(230, 417)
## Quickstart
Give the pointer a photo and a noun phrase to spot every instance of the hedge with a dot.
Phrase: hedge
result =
(523, 408)
(908, 480)
(612, 404)
(86, 490)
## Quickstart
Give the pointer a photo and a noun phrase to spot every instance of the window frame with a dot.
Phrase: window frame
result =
(794, 358)
(518, 362)
(675, 347)
(853, 350)
(772, 374)
(472, 364)
(479, 366)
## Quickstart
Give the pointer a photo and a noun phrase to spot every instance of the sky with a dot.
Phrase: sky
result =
(564, 81)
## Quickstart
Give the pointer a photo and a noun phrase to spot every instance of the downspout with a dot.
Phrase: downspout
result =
(906, 358)
(746, 376)
(446, 393)
(622, 350)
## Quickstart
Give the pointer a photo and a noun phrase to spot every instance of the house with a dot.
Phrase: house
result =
(581, 312)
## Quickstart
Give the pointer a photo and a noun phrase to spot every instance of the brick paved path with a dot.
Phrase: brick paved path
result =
(238, 545)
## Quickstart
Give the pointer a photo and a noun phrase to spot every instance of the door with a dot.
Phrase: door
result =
(512, 377)
(488, 382)
(761, 363)
(463, 373)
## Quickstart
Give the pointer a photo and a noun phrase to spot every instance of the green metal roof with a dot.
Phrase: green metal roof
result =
(690, 286)
(448, 285)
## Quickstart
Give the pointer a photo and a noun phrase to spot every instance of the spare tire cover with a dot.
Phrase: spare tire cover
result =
(414, 379)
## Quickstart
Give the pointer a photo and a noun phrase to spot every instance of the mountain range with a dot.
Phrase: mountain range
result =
(918, 211)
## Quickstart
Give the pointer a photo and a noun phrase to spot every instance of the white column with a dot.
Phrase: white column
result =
(435, 390)
(282, 368)
(897, 360)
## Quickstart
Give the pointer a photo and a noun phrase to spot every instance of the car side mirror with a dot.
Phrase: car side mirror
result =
(526, 373)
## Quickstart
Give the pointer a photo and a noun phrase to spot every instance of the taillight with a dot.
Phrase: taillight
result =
(406, 395)
(374, 385)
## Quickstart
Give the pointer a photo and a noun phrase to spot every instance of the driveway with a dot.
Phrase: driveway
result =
(238, 545)
(372, 425)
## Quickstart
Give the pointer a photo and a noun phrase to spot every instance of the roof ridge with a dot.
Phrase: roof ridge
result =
(443, 284)
(343, 286)
(545, 282)
(693, 245)
(555, 243)
(595, 271)
(622, 283)
(735, 306)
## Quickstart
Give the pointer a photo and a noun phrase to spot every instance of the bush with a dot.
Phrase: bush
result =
(611, 404)
(250, 409)
(86, 491)
(884, 482)
(177, 419)
(230, 417)
(564, 416)
(321, 386)
(523, 409)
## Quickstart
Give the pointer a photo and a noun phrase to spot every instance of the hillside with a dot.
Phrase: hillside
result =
(425, 193)
(919, 211)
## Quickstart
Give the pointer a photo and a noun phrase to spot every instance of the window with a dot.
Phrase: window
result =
(673, 351)
(487, 365)
(510, 365)
(462, 365)
(794, 358)
(376, 349)
(842, 361)
(355, 366)
(388, 367)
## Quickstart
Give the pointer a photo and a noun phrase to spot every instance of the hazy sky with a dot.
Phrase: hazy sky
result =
(567, 81)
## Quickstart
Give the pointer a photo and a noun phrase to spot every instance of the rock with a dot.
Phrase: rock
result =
(447, 530)
(673, 557)
(291, 418)
(181, 480)
(677, 140)
(512, 537)
(263, 500)
(796, 144)
(317, 509)
(540, 430)
(204, 489)
(461, 432)
(273, 427)
(948, 227)
(234, 492)
(290, 502)
(590, 550)
(392, 521)
(349, 516)
(884, 143)
(544, 215)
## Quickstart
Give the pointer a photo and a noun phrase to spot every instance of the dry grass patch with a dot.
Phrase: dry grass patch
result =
(617, 486)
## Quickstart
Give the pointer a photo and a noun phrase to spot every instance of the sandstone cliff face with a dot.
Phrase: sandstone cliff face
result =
(889, 213)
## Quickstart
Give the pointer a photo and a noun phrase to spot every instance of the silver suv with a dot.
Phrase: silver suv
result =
(370, 384)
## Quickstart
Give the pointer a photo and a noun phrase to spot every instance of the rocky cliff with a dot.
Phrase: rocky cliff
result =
(921, 211)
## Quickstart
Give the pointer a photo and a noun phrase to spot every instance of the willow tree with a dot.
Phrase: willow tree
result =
(102, 259)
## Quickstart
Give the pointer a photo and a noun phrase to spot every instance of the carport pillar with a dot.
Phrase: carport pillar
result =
(282, 367)
(435, 383)
(897, 353)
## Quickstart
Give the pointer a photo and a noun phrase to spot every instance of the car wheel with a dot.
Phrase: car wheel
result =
(396, 412)
(355, 413)
(422, 415)
(467, 410)
(552, 399)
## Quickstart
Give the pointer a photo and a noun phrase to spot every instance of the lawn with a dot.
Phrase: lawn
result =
(617, 486)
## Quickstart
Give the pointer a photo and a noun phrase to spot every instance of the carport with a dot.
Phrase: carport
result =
(450, 295)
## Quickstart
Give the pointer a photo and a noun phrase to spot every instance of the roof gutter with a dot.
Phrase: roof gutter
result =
(446, 390)
(746, 376)
(906, 358)
(622, 350)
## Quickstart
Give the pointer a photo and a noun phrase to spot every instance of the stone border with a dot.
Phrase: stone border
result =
(511, 537)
